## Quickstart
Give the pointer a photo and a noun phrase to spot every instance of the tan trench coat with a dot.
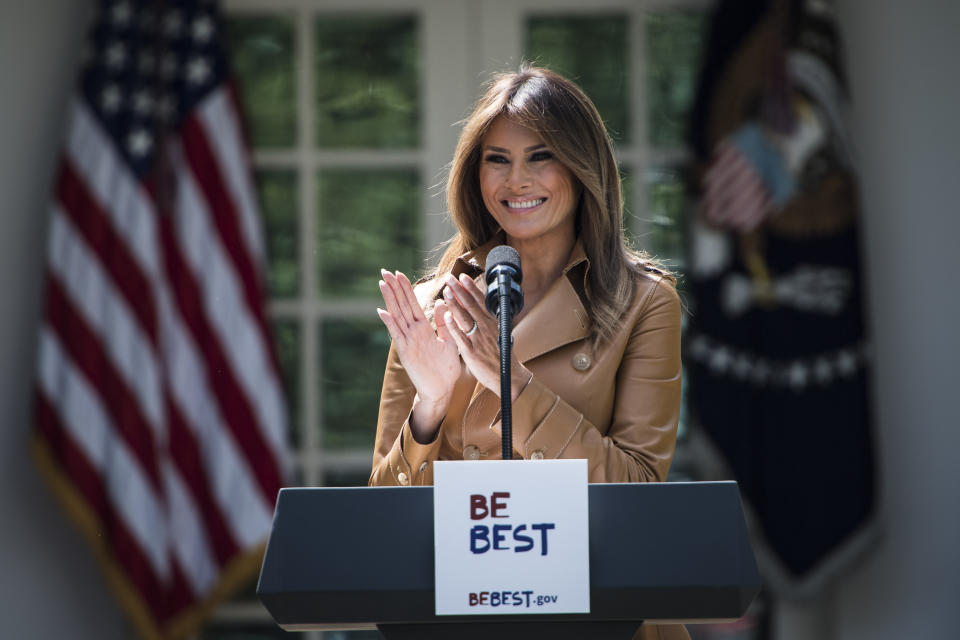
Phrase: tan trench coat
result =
(616, 405)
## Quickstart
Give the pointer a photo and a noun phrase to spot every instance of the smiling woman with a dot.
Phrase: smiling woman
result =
(349, 105)
(531, 194)
(596, 358)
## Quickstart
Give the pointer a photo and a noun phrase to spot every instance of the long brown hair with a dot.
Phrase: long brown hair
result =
(569, 124)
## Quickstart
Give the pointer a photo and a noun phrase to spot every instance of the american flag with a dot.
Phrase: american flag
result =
(160, 418)
(734, 194)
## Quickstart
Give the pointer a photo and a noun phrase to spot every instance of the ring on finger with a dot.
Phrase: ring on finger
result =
(473, 329)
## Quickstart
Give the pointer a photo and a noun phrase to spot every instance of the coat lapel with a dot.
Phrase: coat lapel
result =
(559, 318)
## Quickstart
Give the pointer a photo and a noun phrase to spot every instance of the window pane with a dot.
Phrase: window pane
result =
(278, 199)
(674, 40)
(367, 82)
(591, 51)
(368, 219)
(354, 353)
(261, 49)
(667, 202)
(286, 337)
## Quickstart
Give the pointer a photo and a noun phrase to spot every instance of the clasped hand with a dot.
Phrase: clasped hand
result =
(465, 335)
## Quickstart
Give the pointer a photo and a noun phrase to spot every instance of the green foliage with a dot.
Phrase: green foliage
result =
(674, 40)
(367, 82)
(261, 51)
(353, 356)
(668, 206)
(593, 52)
(368, 219)
(278, 202)
(289, 348)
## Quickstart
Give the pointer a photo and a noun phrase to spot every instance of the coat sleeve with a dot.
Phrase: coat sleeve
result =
(398, 459)
(639, 444)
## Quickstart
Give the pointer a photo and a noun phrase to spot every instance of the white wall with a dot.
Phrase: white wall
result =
(904, 60)
(50, 586)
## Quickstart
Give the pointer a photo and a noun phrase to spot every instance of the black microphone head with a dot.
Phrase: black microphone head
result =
(503, 256)
(505, 261)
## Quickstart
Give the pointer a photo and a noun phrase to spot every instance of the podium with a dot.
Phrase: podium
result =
(363, 558)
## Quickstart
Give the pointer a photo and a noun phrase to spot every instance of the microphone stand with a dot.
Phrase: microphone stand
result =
(505, 318)
(504, 298)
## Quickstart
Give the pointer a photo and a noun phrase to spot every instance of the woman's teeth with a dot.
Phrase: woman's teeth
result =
(525, 204)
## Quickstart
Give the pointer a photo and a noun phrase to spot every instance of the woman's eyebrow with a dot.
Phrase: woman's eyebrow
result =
(527, 150)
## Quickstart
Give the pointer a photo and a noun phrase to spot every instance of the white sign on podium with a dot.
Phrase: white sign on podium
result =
(511, 537)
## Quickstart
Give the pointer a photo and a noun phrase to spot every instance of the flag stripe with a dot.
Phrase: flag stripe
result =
(218, 160)
(161, 418)
(112, 189)
(106, 315)
(89, 289)
(190, 465)
(219, 291)
(230, 397)
(87, 481)
(722, 165)
(90, 220)
(82, 476)
(222, 203)
(188, 537)
(231, 480)
(219, 115)
(86, 351)
(86, 423)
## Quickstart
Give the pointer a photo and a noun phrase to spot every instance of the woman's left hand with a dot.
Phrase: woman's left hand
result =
(478, 346)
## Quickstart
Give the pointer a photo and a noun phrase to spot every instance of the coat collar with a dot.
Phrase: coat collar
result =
(558, 319)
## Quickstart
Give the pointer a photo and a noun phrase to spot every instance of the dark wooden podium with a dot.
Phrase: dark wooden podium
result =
(363, 558)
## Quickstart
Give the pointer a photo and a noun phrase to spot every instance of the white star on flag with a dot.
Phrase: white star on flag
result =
(139, 142)
(111, 98)
(198, 70)
(116, 55)
(120, 14)
(798, 374)
(143, 102)
(202, 29)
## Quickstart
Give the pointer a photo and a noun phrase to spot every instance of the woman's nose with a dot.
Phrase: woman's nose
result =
(519, 175)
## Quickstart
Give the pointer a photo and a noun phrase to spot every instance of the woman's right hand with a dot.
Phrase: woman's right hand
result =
(429, 357)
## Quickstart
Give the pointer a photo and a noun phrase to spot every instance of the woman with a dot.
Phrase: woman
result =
(596, 356)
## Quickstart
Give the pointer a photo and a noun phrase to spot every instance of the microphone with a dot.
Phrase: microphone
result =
(503, 276)
(504, 300)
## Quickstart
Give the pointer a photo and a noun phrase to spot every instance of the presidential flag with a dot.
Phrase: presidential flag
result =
(160, 417)
(778, 349)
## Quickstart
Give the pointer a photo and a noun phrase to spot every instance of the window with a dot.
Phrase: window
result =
(351, 107)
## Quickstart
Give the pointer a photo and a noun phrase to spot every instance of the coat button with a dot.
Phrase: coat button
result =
(471, 452)
(423, 466)
(581, 362)
(402, 477)
(537, 455)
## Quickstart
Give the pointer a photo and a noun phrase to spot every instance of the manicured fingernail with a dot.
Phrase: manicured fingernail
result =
(447, 293)
(464, 278)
